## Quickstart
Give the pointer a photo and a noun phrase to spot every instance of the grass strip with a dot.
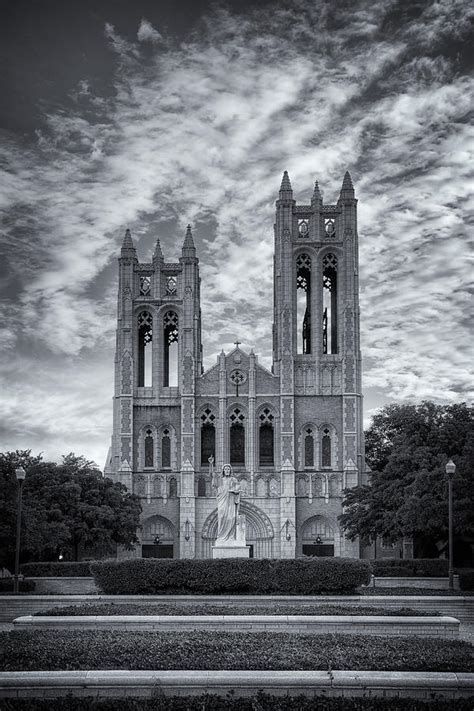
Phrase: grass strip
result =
(102, 649)
(259, 702)
(143, 608)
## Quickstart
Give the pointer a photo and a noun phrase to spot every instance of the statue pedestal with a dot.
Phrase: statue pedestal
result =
(230, 549)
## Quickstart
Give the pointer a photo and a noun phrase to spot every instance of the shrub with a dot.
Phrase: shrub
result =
(466, 579)
(6, 585)
(56, 569)
(410, 567)
(261, 701)
(304, 576)
(272, 607)
(46, 650)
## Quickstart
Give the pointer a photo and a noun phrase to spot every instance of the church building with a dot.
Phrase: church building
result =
(293, 434)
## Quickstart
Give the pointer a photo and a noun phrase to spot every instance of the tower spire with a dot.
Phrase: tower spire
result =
(347, 190)
(189, 250)
(286, 191)
(128, 248)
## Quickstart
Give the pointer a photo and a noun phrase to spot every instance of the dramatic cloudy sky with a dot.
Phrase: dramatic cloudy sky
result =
(151, 114)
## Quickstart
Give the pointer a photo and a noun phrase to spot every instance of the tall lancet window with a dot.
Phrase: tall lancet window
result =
(170, 355)
(208, 437)
(237, 438)
(266, 457)
(303, 303)
(326, 458)
(149, 446)
(330, 304)
(145, 337)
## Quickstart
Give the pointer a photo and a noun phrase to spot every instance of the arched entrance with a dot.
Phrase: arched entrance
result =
(319, 537)
(259, 532)
(157, 538)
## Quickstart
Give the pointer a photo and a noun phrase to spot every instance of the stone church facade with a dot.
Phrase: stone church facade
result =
(293, 434)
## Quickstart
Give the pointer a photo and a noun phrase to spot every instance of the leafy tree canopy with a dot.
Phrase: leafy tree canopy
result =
(407, 447)
(67, 508)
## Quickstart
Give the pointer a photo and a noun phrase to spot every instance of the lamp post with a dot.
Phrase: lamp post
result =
(20, 476)
(450, 469)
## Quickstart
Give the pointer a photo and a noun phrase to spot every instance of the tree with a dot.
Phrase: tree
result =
(407, 449)
(69, 507)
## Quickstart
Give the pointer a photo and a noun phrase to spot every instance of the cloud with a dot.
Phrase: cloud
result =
(147, 33)
(201, 131)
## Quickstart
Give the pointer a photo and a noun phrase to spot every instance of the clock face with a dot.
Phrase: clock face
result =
(330, 227)
(303, 228)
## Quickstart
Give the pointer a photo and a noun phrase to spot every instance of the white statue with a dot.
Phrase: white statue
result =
(230, 523)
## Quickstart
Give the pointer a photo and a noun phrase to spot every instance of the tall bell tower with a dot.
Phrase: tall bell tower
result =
(316, 340)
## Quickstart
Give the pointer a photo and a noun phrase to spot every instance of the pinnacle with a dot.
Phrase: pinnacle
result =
(158, 254)
(316, 193)
(285, 183)
(127, 240)
(188, 240)
(347, 182)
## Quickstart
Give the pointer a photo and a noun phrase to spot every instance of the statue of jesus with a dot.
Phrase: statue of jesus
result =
(230, 524)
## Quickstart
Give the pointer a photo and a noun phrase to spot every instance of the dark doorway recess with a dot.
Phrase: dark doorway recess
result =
(162, 550)
(324, 550)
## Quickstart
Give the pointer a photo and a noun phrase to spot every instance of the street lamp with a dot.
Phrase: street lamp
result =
(20, 475)
(450, 469)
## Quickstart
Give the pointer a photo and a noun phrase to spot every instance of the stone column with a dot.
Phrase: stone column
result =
(287, 511)
(187, 518)
(222, 422)
(252, 428)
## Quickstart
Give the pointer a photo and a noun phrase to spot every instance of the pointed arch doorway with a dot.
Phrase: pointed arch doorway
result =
(319, 537)
(157, 538)
(259, 532)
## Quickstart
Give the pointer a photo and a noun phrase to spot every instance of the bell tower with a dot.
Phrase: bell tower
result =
(316, 341)
(158, 356)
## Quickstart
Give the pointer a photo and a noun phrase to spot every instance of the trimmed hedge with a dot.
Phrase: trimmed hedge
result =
(272, 608)
(262, 702)
(304, 576)
(47, 650)
(25, 586)
(55, 569)
(410, 567)
(466, 579)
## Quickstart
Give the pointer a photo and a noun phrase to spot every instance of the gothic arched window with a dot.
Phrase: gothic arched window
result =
(208, 436)
(145, 337)
(149, 448)
(201, 486)
(173, 487)
(170, 354)
(330, 304)
(303, 303)
(166, 450)
(326, 449)
(308, 448)
(266, 456)
(237, 438)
